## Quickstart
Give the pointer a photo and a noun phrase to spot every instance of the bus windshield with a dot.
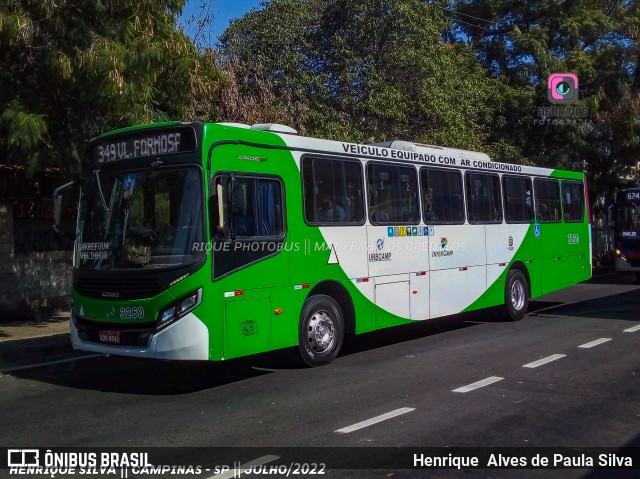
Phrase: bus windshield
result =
(149, 218)
(629, 219)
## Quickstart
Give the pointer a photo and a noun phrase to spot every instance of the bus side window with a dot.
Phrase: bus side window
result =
(517, 199)
(441, 196)
(547, 200)
(332, 191)
(573, 201)
(392, 194)
(484, 202)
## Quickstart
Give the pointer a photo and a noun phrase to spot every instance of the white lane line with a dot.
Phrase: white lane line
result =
(594, 343)
(375, 420)
(39, 365)
(479, 384)
(236, 471)
(633, 330)
(542, 361)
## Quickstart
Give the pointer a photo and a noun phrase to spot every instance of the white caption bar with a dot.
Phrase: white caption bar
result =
(375, 420)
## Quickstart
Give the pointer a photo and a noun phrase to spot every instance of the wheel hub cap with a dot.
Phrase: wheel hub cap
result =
(321, 332)
(517, 295)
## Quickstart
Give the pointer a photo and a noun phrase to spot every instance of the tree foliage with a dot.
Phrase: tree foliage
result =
(522, 43)
(371, 71)
(71, 69)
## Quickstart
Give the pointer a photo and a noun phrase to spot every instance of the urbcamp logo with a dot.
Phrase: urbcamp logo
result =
(444, 242)
(373, 257)
(510, 243)
(562, 88)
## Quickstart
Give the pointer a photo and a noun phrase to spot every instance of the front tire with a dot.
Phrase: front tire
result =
(516, 295)
(321, 330)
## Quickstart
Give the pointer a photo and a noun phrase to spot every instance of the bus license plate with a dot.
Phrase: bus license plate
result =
(111, 337)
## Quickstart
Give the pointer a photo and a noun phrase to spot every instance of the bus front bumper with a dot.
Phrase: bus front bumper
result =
(622, 265)
(186, 339)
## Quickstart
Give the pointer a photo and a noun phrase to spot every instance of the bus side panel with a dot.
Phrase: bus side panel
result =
(392, 299)
(506, 243)
(284, 324)
(527, 252)
(458, 258)
(451, 289)
(365, 309)
(563, 255)
(246, 327)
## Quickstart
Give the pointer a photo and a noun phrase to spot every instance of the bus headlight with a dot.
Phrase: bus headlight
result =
(180, 308)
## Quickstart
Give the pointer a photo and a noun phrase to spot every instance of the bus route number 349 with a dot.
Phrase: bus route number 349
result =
(132, 313)
(574, 239)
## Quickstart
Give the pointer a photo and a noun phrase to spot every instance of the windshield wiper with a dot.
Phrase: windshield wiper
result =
(104, 202)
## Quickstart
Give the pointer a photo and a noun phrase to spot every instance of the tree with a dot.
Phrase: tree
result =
(372, 71)
(70, 70)
(522, 43)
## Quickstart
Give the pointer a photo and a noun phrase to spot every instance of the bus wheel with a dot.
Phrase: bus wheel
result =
(321, 330)
(516, 295)
(638, 276)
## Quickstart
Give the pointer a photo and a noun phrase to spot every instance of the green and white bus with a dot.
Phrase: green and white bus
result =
(204, 241)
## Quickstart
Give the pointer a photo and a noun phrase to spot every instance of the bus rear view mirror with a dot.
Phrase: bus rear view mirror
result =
(61, 194)
(218, 207)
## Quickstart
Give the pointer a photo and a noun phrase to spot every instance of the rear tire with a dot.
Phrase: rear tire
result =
(637, 276)
(516, 295)
(321, 330)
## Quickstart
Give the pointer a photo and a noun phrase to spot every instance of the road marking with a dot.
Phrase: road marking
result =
(594, 343)
(542, 361)
(375, 420)
(479, 384)
(236, 471)
(633, 330)
(39, 365)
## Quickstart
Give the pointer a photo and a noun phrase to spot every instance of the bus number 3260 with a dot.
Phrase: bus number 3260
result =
(131, 313)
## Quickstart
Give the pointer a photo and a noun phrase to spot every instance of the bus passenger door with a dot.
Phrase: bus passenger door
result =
(248, 234)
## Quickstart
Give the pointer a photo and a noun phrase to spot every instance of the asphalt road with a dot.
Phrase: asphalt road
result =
(566, 376)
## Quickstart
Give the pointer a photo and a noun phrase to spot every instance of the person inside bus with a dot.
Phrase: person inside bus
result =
(330, 212)
(243, 223)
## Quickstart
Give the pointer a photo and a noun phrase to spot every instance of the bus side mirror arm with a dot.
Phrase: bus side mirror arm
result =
(57, 209)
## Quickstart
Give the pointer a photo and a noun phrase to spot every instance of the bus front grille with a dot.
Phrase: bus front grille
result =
(118, 287)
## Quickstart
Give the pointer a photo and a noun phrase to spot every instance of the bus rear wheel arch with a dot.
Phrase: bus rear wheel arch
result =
(516, 295)
(321, 330)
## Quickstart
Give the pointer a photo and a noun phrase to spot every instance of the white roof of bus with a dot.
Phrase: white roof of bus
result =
(404, 151)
